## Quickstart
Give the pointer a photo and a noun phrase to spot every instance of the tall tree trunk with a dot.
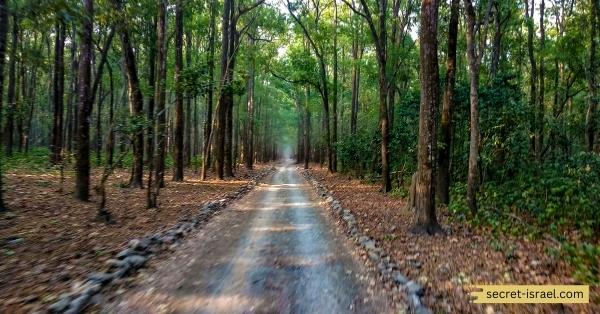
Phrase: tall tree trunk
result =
(179, 124)
(99, 125)
(591, 119)
(472, 176)
(149, 149)
(355, 83)
(335, 91)
(188, 151)
(110, 143)
(496, 42)
(426, 221)
(57, 93)
(541, 110)
(72, 96)
(12, 85)
(82, 185)
(249, 145)
(160, 97)
(443, 185)
(307, 130)
(136, 103)
(22, 107)
(208, 121)
(3, 32)
(533, 70)
(224, 97)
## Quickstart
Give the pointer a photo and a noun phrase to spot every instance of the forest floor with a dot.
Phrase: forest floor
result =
(446, 264)
(48, 238)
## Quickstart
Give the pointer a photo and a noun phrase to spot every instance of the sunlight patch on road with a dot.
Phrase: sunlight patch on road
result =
(283, 228)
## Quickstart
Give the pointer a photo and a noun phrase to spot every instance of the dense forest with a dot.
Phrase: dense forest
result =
(486, 110)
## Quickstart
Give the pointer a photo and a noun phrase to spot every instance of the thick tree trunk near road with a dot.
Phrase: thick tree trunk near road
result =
(426, 220)
(225, 96)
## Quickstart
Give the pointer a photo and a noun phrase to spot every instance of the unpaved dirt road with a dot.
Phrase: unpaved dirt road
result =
(274, 251)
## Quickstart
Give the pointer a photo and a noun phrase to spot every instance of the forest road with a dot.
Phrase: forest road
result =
(273, 251)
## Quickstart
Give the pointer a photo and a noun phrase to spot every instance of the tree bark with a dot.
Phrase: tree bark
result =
(533, 70)
(3, 33)
(539, 144)
(110, 143)
(58, 92)
(443, 185)
(11, 92)
(473, 175)
(224, 97)
(160, 97)
(72, 97)
(592, 99)
(82, 185)
(307, 130)
(179, 124)
(208, 121)
(335, 91)
(188, 151)
(249, 145)
(426, 220)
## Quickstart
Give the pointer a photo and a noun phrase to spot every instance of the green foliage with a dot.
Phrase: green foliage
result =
(585, 258)
(36, 160)
(355, 152)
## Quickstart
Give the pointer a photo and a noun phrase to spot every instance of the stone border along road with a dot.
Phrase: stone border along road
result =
(139, 251)
(385, 266)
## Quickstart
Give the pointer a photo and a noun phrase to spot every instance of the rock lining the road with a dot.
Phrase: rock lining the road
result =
(387, 268)
(138, 251)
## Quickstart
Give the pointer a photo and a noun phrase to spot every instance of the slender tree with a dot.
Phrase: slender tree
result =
(378, 31)
(82, 185)
(160, 96)
(136, 100)
(592, 99)
(533, 71)
(474, 56)
(56, 146)
(249, 144)
(3, 32)
(208, 120)
(12, 88)
(334, 127)
(178, 150)
(323, 85)
(445, 149)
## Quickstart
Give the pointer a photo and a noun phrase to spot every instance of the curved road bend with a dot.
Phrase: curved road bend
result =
(273, 251)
